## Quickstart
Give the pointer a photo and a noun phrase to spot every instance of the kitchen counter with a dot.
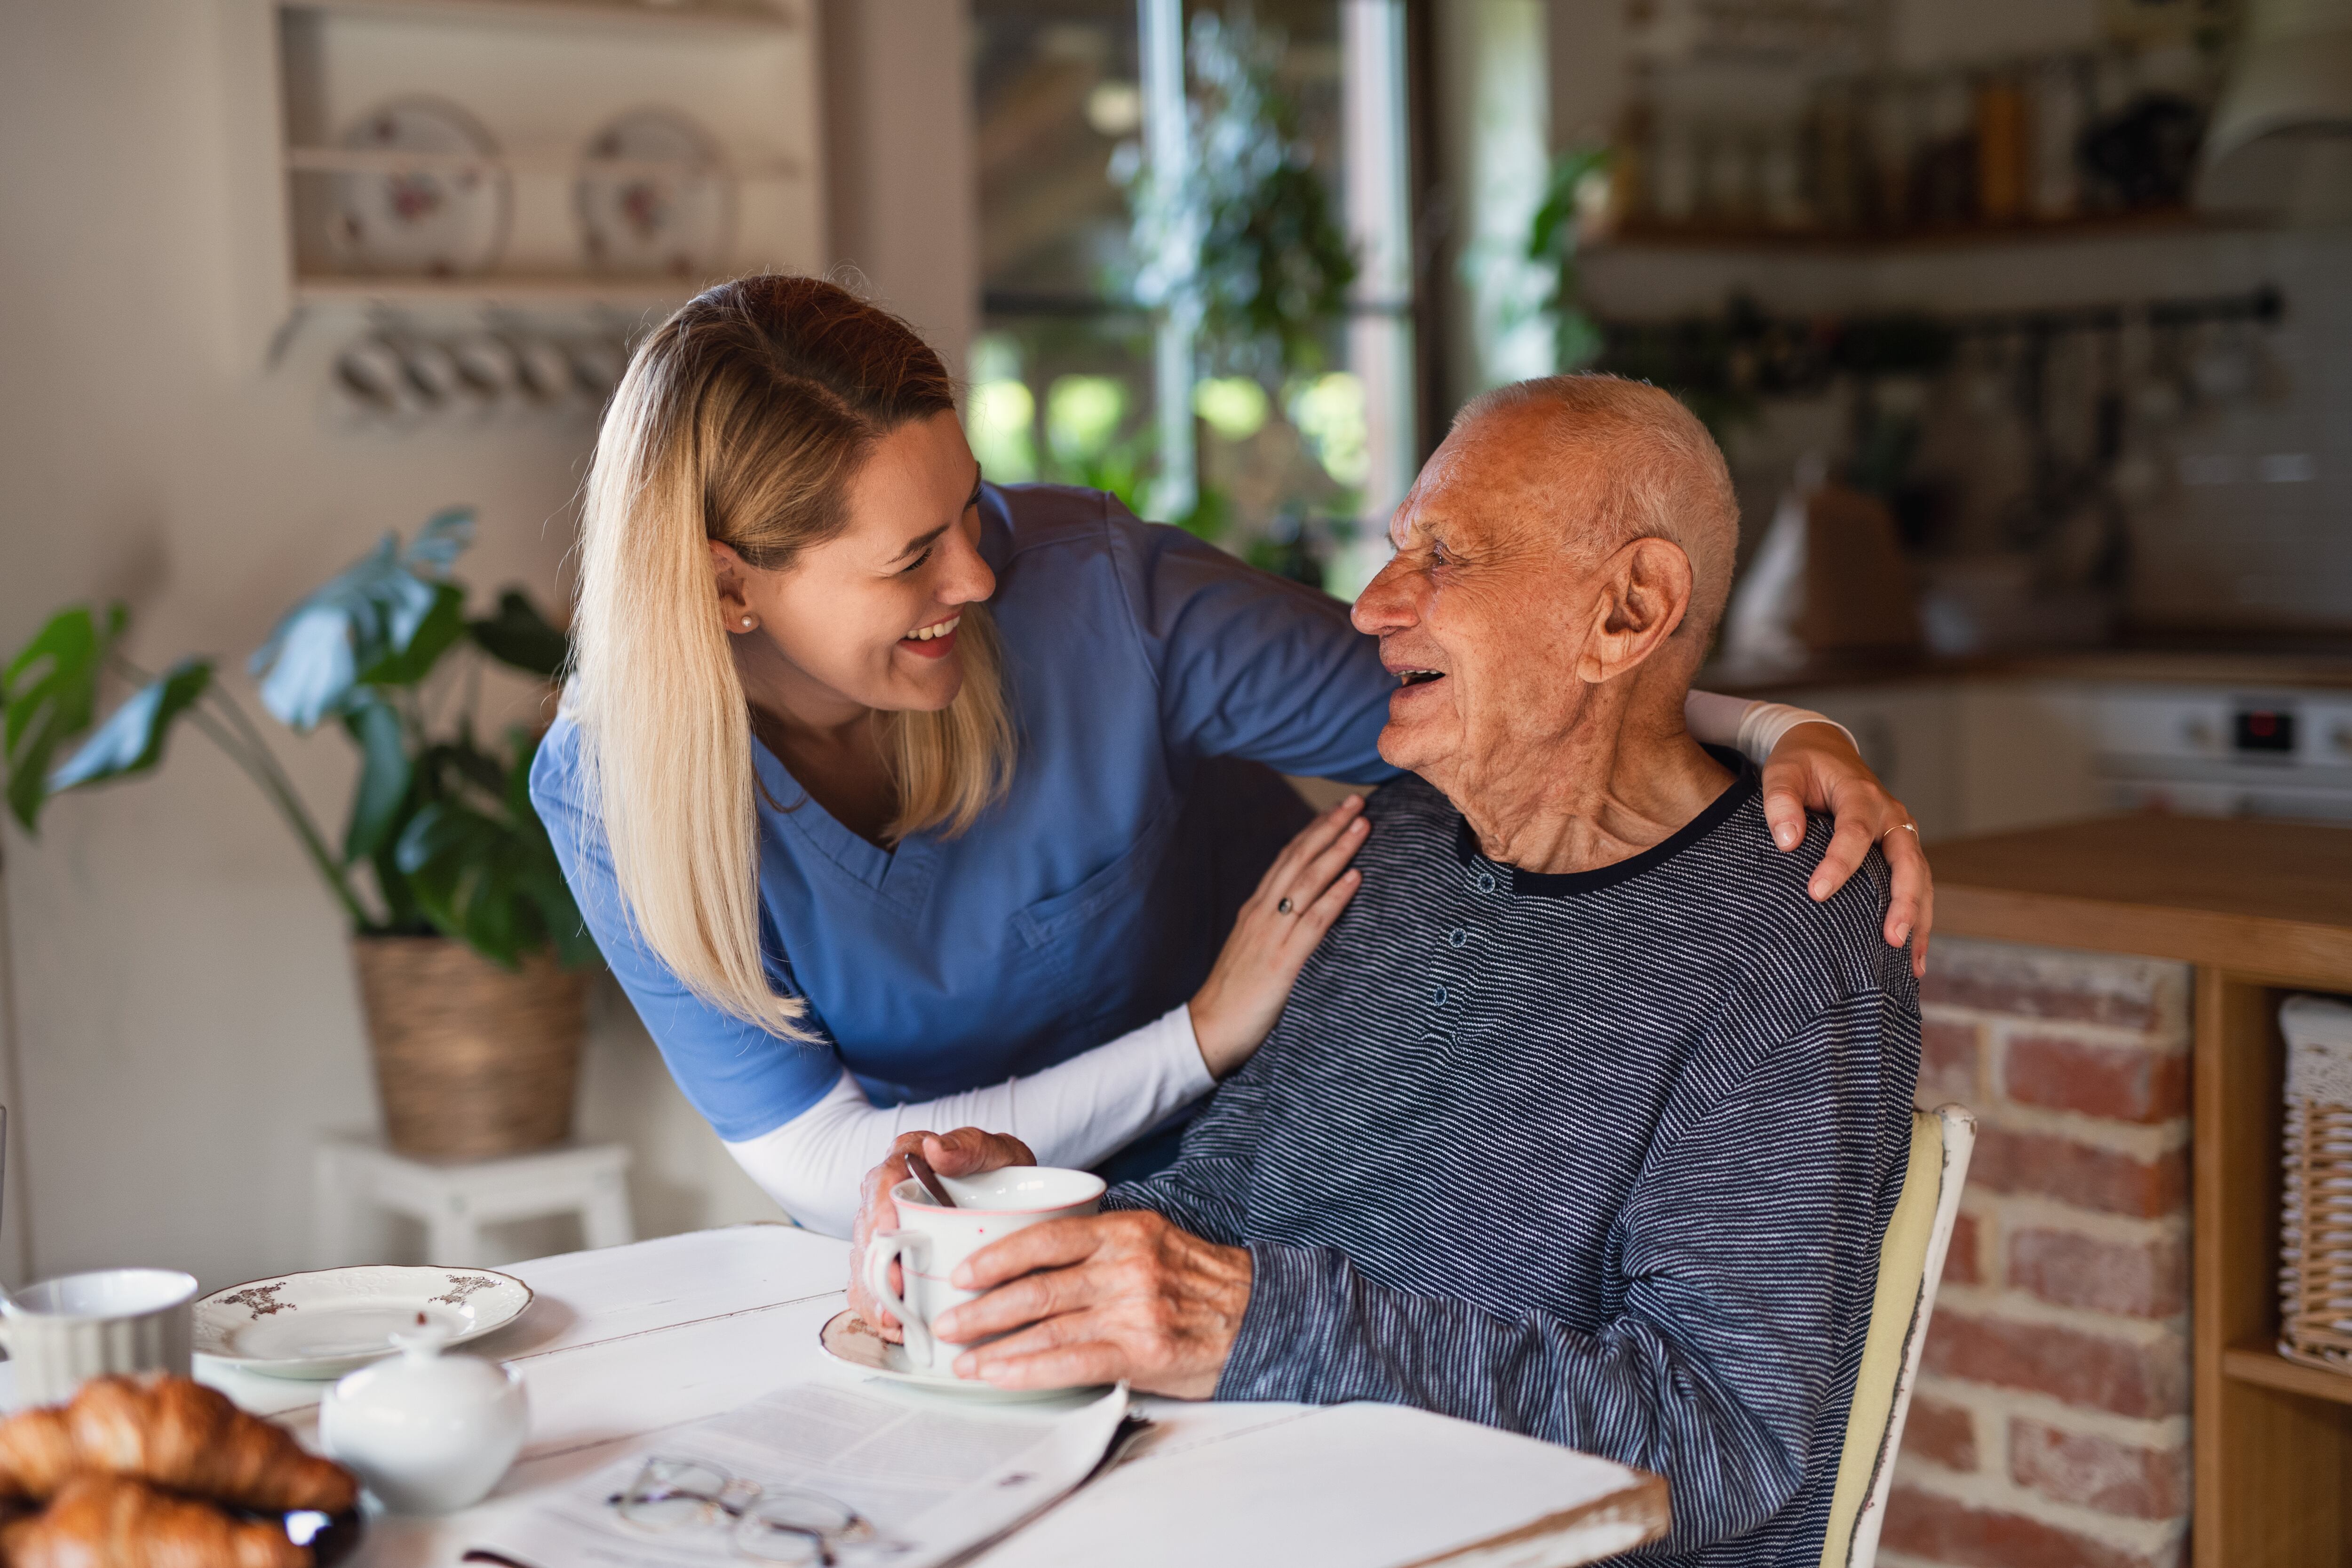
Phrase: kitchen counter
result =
(2000, 744)
(2316, 667)
(2261, 910)
(2260, 898)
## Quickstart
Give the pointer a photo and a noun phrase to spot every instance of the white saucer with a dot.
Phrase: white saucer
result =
(325, 1321)
(847, 1340)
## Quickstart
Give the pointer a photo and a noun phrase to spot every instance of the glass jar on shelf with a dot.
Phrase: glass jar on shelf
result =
(1894, 140)
(2001, 146)
(1674, 170)
(1835, 164)
(1783, 197)
(2056, 119)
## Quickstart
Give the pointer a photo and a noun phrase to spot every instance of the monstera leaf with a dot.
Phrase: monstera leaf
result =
(442, 824)
(486, 873)
(132, 738)
(537, 874)
(381, 797)
(520, 635)
(49, 693)
(377, 622)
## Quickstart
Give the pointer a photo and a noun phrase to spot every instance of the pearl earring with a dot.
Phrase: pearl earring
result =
(747, 622)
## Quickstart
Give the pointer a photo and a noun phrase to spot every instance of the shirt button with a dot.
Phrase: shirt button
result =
(1485, 883)
(1457, 937)
(1437, 995)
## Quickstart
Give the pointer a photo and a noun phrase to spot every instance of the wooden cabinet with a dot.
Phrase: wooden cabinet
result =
(2273, 1437)
(1973, 756)
(2264, 910)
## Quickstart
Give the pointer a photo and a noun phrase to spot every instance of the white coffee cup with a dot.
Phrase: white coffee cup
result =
(373, 379)
(62, 1332)
(930, 1241)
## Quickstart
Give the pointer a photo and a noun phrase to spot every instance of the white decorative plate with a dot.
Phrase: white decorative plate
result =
(655, 198)
(847, 1340)
(323, 1322)
(439, 221)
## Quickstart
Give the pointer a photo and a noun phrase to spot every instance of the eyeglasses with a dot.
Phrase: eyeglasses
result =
(768, 1525)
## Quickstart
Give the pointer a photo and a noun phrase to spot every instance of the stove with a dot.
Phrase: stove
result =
(2208, 751)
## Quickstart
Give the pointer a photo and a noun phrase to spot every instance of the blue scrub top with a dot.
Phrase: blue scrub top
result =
(1145, 670)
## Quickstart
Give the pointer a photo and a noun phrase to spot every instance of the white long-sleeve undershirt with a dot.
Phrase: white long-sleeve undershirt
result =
(1075, 1115)
(1080, 1112)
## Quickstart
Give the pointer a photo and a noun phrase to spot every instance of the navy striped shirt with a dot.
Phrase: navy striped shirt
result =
(1603, 1158)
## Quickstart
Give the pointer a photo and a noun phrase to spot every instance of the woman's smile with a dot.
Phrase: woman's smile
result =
(934, 641)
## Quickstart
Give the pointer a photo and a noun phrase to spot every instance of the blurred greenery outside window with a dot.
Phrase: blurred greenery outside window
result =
(1298, 463)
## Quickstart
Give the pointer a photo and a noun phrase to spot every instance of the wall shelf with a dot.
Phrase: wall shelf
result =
(635, 14)
(379, 161)
(2165, 221)
(541, 80)
(2262, 1364)
(494, 291)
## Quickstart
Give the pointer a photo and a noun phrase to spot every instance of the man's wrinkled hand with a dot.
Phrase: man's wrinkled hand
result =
(1117, 1297)
(966, 1151)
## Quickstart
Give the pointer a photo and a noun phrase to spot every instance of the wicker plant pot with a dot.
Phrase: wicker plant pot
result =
(472, 1061)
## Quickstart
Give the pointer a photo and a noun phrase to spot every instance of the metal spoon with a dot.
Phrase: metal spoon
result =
(931, 1184)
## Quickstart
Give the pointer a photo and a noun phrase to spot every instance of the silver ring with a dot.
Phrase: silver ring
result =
(1284, 908)
(1911, 828)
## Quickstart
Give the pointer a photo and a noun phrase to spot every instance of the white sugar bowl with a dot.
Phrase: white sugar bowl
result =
(424, 1432)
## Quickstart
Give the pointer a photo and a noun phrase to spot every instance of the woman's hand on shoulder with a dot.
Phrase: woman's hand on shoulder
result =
(1296, 902)
(966, 1151)
(1815, 767)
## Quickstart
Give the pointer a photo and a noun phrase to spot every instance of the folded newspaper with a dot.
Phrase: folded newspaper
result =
(815, 1473)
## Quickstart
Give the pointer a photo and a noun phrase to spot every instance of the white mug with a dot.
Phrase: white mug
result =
(62, 1332)
(373, 378)
(930, 1241)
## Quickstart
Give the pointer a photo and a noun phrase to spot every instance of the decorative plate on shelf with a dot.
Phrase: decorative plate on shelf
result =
(324, 1321)
(440, 220)
(655, 198)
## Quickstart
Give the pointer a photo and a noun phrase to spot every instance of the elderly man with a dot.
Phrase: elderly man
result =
(1585, 1121)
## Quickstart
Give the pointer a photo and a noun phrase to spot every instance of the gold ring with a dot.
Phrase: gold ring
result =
(1911, 828)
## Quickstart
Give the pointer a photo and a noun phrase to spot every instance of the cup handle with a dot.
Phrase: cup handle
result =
(882, 1249)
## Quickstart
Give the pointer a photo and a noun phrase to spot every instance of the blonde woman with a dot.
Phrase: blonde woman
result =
(899, 800)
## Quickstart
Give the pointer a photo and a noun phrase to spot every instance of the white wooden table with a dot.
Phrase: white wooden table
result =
(622, 1342)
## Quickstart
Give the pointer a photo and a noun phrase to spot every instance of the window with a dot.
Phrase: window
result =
(1295, 468)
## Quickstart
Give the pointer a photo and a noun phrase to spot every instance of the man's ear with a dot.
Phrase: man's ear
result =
(1642, 593)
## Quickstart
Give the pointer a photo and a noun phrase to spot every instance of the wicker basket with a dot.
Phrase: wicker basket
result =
(472, 1061)
(2316, 1221)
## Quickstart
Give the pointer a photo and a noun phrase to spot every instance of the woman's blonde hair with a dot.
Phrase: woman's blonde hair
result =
(743, 419)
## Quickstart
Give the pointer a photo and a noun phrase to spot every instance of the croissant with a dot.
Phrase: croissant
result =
(171, 1432)
(37, 1452)
(112, 1522)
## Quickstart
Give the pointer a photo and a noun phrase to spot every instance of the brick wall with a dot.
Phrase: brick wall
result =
(2050, 1425)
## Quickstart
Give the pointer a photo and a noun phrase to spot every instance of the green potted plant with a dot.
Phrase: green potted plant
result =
(1241, 243)
(469, 947)
(1553, 236)
(1241, 240)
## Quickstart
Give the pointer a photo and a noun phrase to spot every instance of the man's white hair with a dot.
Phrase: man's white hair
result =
(1656, 474)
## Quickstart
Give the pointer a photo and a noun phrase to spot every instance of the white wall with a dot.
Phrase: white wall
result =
(183, 1011)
